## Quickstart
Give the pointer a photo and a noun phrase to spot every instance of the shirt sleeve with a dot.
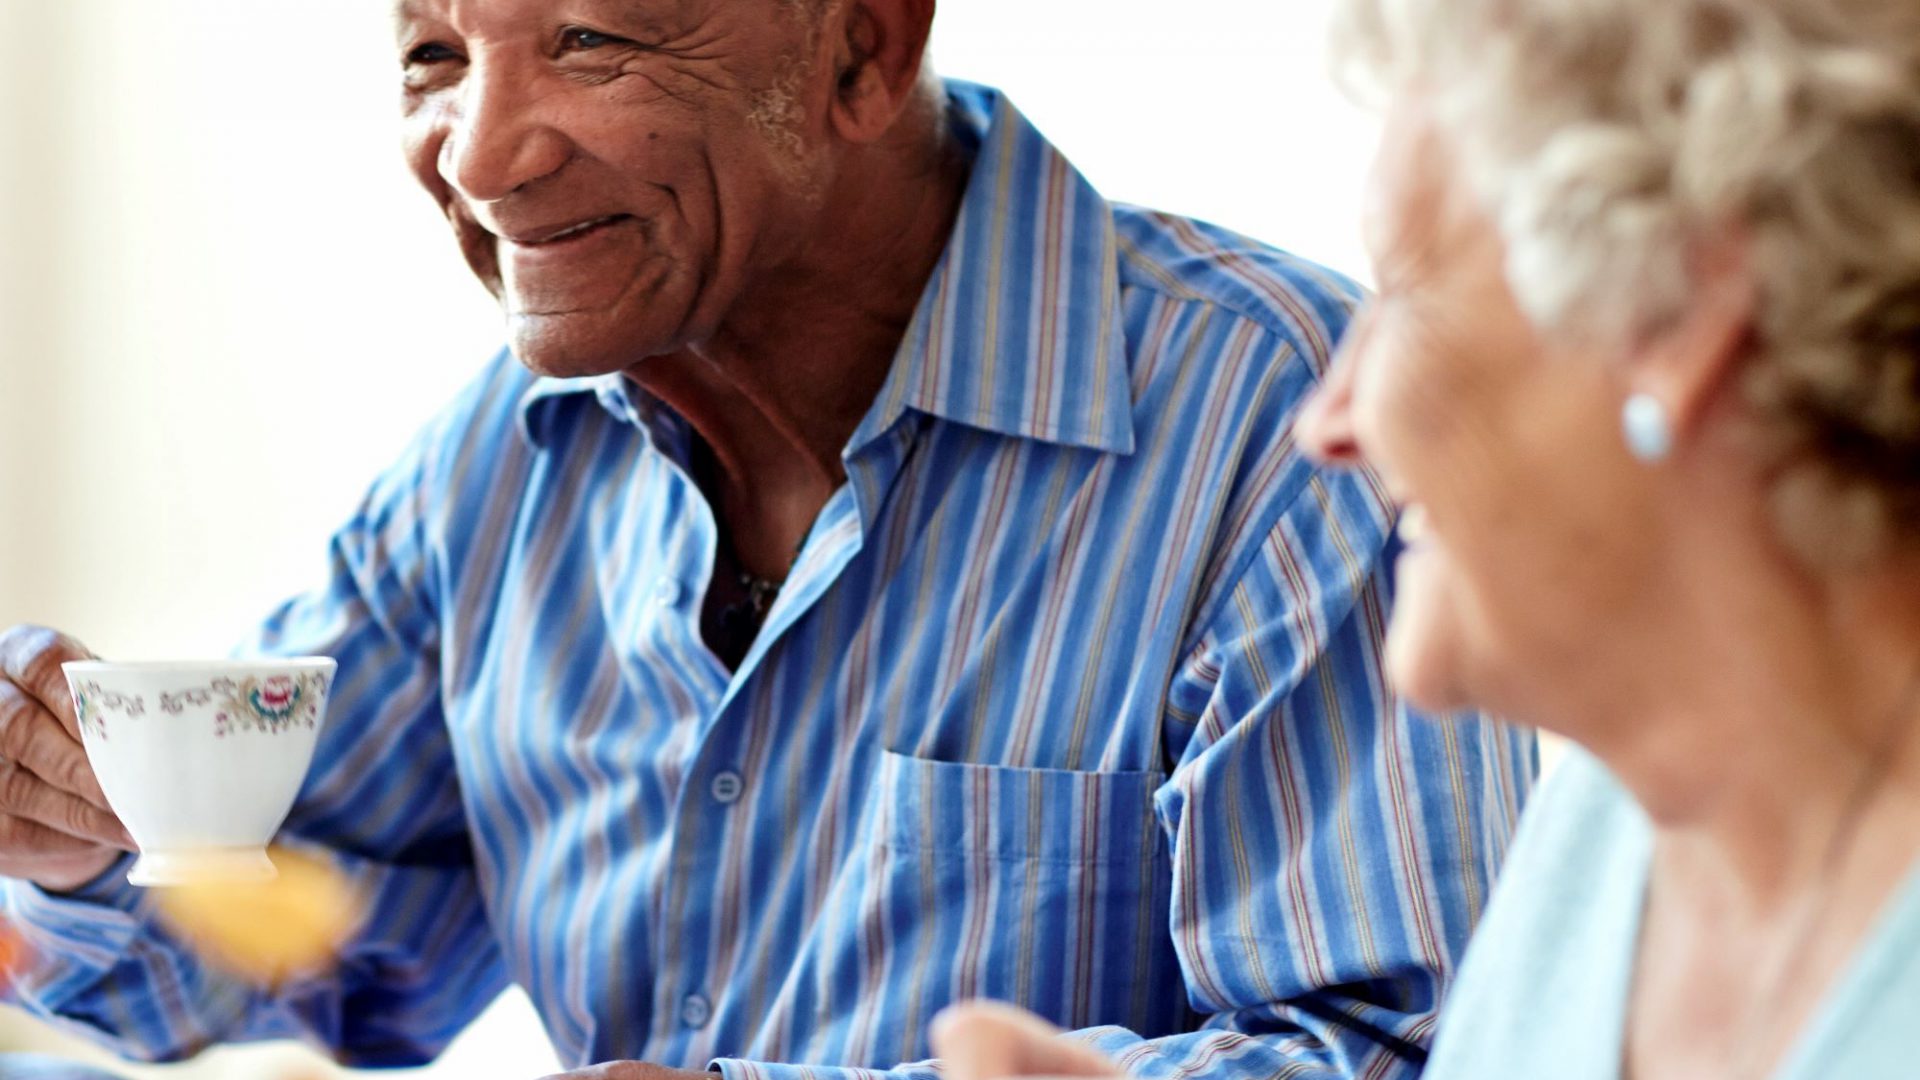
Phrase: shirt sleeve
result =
(382, 802)
(1331, 851)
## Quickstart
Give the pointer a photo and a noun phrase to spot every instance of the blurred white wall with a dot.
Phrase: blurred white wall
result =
(223, 307)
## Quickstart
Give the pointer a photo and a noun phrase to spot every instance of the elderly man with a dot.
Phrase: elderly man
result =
(880, 574)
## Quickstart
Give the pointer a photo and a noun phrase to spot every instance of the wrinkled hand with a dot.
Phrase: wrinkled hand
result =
(635, 1070)
(56, 829)
(988, 1041)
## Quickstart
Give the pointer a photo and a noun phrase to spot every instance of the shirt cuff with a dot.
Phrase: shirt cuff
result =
(736, 1069)
(70, 939)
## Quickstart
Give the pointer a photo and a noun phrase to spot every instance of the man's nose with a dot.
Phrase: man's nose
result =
(500, 140)
(1325, 425)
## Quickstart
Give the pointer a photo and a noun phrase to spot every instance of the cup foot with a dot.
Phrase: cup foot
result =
(163, 868)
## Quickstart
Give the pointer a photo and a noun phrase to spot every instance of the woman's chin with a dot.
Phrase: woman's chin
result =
(1423, 665)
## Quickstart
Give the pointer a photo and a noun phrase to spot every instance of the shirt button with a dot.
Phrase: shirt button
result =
(666, 592)
(695, 1011)
(727, 787)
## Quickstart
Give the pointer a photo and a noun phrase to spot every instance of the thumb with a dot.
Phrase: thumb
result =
(989, 1041)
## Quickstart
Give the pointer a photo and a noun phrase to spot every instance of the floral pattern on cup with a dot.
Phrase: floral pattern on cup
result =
(91, 704)
(266, 705)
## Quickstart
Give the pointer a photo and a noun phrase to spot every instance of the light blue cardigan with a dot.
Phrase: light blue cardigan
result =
(1542, 993)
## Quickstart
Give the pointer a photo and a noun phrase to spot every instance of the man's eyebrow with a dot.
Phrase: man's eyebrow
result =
(618, 12)
(632, 12)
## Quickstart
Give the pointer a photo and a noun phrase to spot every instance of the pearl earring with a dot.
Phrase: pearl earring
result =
(1649, 433)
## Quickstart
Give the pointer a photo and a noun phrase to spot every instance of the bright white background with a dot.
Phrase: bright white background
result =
(223, 307)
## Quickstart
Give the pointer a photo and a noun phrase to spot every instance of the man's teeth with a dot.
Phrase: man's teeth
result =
(576, 230)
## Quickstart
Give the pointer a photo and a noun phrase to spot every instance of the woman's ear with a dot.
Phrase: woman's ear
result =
(1685, 365)
(878, 49)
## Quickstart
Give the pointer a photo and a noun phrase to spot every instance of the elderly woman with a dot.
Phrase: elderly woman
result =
(1644, 370)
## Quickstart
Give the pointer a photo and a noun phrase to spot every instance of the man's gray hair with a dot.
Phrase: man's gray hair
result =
(1605, 137)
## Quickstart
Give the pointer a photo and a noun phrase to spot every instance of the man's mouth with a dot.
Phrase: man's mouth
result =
(549, 236)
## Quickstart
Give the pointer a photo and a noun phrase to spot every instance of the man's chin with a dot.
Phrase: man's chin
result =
(1423, 661)
(573, 346)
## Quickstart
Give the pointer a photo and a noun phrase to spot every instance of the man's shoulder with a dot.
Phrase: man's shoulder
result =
(470, 434)
(488, 408)
(1193, 261)
(1229, 336)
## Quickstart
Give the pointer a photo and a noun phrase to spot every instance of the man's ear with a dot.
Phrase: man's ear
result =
(877, 50)
(1689, 362)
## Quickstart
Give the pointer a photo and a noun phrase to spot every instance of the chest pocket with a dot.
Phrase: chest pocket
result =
(1039, 886)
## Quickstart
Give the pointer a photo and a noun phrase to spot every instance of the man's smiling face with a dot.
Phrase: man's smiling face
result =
(616, 171)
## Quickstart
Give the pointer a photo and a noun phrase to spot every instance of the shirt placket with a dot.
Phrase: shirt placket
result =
(717, 792)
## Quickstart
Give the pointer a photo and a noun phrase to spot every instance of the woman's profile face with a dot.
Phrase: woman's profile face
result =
(1521, 504)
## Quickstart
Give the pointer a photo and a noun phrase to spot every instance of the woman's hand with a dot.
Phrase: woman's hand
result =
(988, 1041)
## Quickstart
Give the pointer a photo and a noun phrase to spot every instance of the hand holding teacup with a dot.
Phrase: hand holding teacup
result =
(57, 829)
(202, 762)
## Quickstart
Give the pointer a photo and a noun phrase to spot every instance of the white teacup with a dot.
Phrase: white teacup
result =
(201, 761)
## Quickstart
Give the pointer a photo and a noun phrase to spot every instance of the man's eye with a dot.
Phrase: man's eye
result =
(431, 53)
(579, 38)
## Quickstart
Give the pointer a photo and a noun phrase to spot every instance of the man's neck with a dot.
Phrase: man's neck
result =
(779, 390)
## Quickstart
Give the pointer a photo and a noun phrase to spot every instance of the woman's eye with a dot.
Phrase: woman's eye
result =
(580, 38)
(431, 53)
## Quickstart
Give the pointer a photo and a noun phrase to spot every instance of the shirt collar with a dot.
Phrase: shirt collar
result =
(1019, 330)
(543, 397)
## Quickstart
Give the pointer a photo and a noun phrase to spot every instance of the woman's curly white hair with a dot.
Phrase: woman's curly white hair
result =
(1607, 136)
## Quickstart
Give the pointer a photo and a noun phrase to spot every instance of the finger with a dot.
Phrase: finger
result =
(32, 736)
(30, 657)
(53, 860)
(29, 843)
(24, 795)
(990, 1041)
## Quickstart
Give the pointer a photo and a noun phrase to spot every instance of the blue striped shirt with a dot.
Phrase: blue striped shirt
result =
(1073, 699)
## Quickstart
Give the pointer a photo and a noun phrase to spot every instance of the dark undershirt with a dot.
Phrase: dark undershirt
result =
(730, 619)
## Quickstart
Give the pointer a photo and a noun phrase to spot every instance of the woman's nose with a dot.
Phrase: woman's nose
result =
(1325, 425)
